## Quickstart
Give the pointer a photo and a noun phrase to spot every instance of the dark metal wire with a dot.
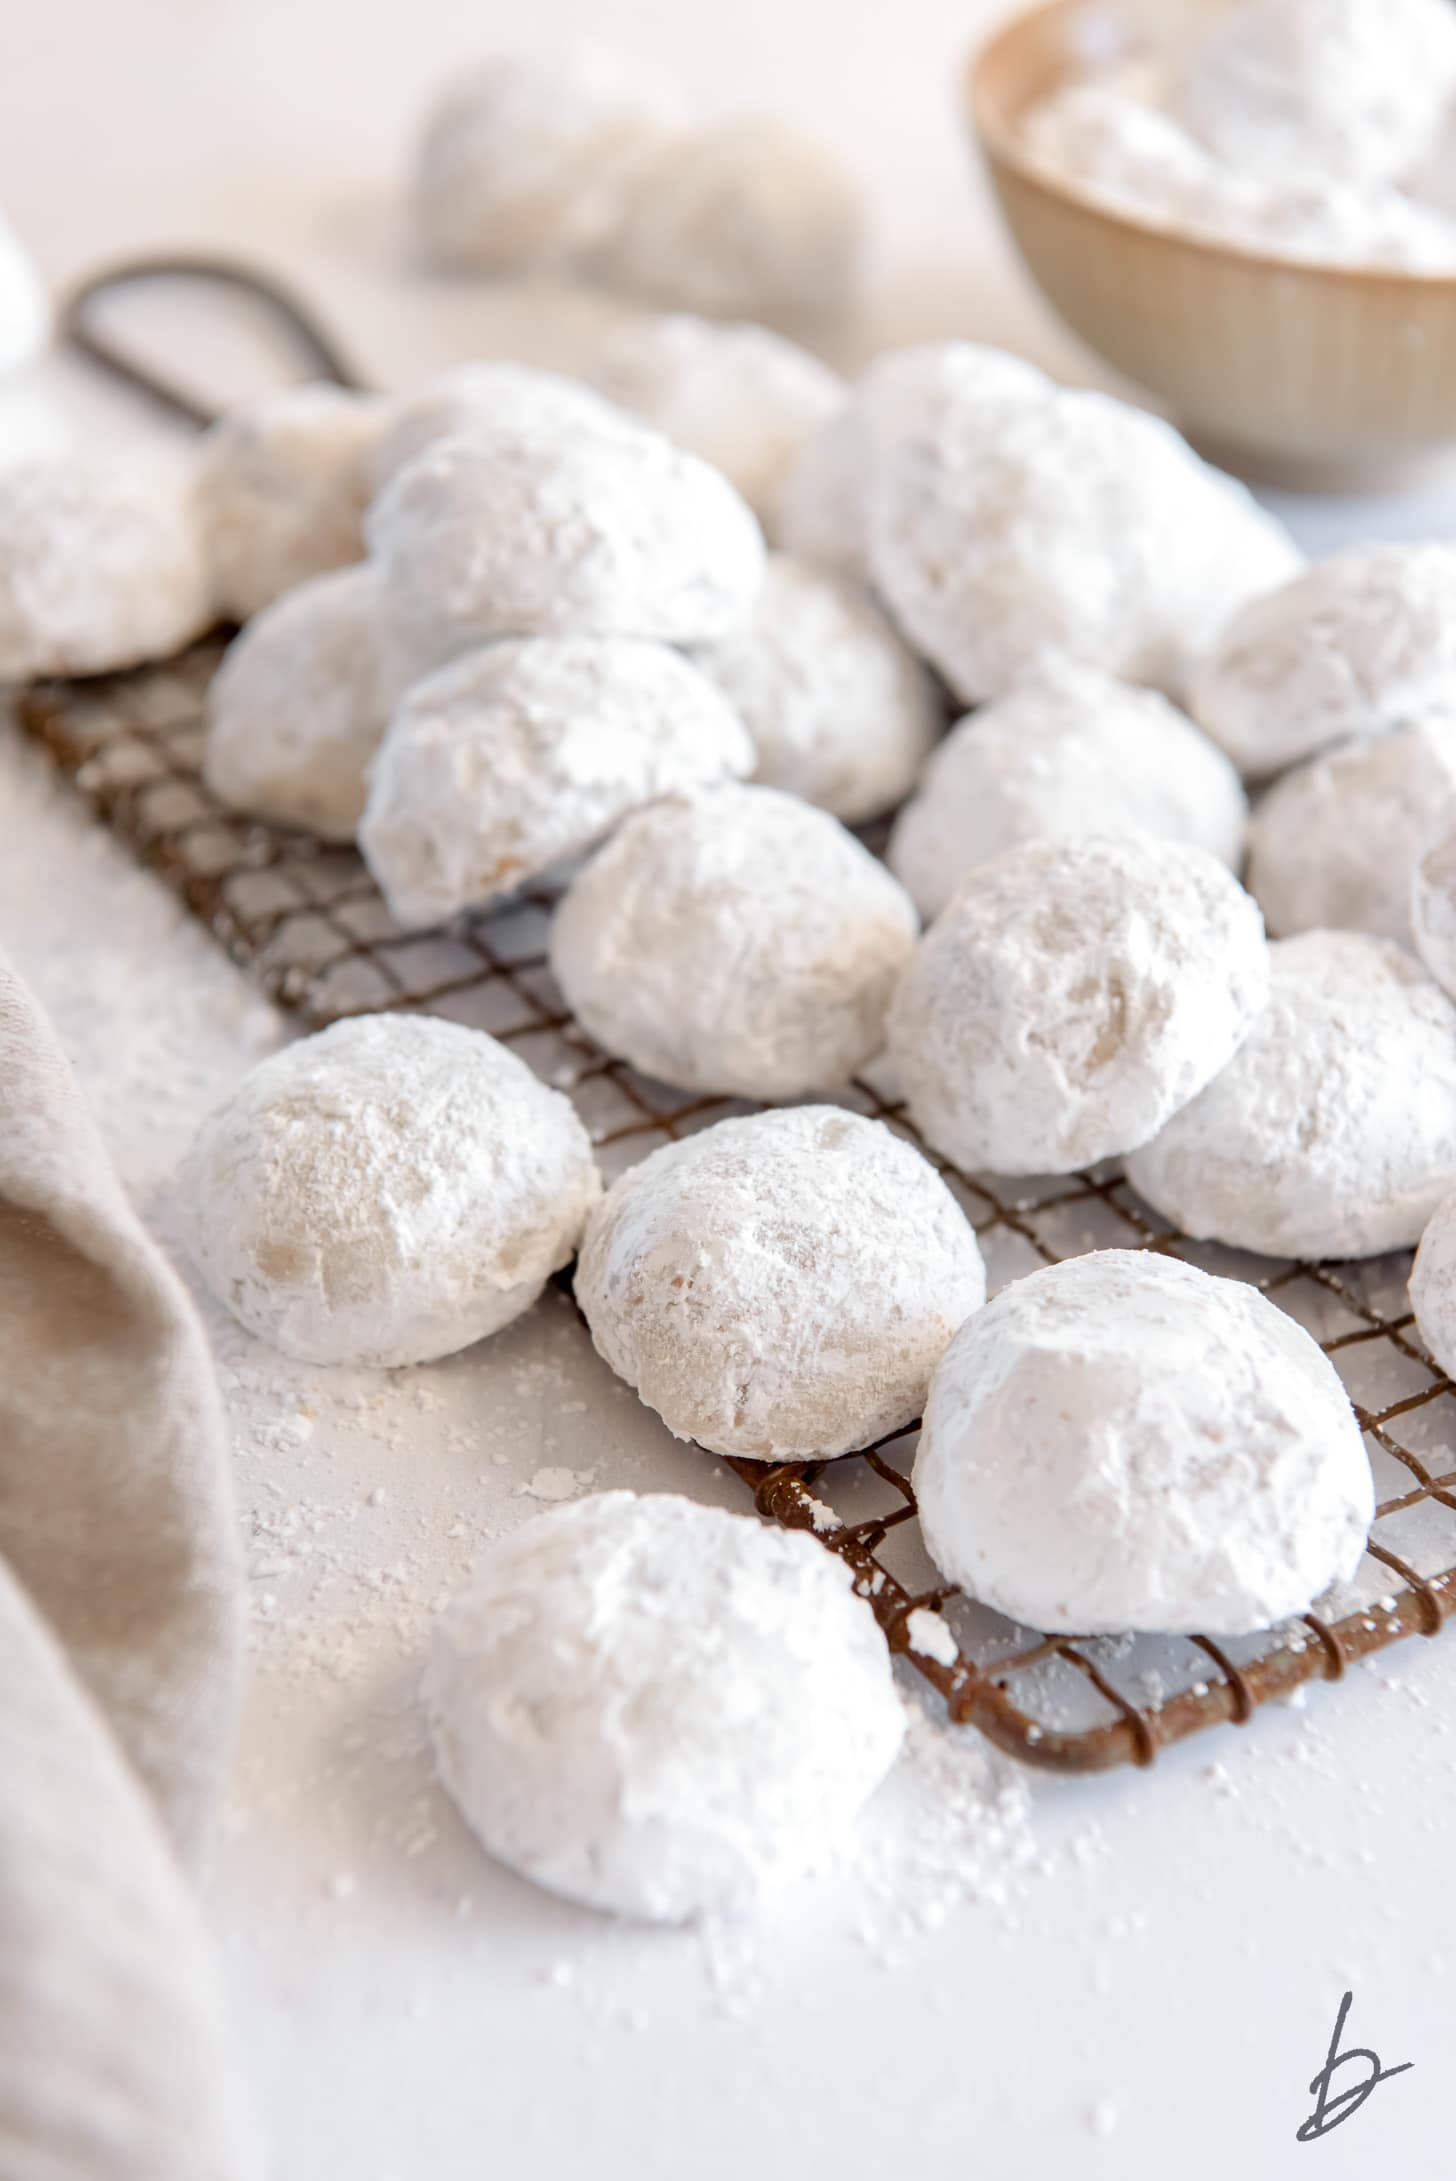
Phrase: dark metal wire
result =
(308, 924)
(318, 350)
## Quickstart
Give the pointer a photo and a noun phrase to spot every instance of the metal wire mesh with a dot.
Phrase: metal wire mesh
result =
(307, 922)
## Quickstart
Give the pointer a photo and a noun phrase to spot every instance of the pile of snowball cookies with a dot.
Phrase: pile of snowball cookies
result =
(516, 628)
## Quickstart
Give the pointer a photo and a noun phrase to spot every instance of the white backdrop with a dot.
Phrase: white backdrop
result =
(410, 2013)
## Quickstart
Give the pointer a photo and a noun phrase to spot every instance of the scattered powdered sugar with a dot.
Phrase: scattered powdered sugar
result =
(950, 1829)
(932, 1636)
(553, 1483)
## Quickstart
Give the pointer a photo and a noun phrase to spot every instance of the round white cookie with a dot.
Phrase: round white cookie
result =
(734, 940)
(282, 486)
(299, 706)
(823, 505)
(1075, 994)
(526, 160)
(663, 1710)
(1320, 91)
(1433, 1285)
(1433, 901)
(745, 218)
(25, 312)
(742, 397)
(387, 1191)
(484, 397)
(1122, 1442)
(610, 532)
(101, 565)
(1335, 843)
(523, 754)
(841, 712)
(1332, 1132)
(1068, 750)
(1356, 646)
(1073, 523)
(780, 1288)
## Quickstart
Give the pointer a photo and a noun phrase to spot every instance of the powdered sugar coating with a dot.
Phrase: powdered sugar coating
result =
(282, 486)
(483, 397)
(734, 940)
(298, 706)
(1433, 901)
(562, 533)
(527, 159)
(1321, 90)
(521, 754)
(1073, 524)
(661, 1709)
(1335, 843)
(823, 506)
(1433, 1286)
(387, 1191)
(1357, 645)
(742, 396)
(101, 565)
(841, 712)
(1068, 750)
(743, 218)
(25, 313)
(1332, 1133)
(1122, 1442)
(780, 1287)
(1073, 996)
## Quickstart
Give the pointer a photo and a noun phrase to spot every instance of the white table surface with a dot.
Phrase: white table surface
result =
(1160, 1986)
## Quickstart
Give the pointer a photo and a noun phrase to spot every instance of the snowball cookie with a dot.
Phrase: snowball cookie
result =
(823, 504)
(1334, 844)
(1073, 523)
(744, 219)
(481, 397)
(1332, 1133)
(522, 754)
(1433, 902)
(1072, 997)
(387, 1191)
(1357, 645)
(734, 940)
(840, 711)
(1433, 1286)
(1067, 750)
(660, 1709)
(1122, 1442)
(780, 1288)
(525, 161)
(1321, 90)
(611, 532)
(742, 397)
(101, 565)
(282, 486)
(298, 706)
(25, 312)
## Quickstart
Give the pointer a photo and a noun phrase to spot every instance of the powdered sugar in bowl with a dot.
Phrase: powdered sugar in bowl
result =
(1301, 334)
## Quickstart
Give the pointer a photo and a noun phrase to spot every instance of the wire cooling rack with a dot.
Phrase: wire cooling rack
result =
(307, 922)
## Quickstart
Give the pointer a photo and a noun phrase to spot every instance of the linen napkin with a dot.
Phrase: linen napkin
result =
(119, 1659)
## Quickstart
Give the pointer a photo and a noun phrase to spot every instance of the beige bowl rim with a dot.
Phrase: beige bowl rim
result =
(994, 128)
